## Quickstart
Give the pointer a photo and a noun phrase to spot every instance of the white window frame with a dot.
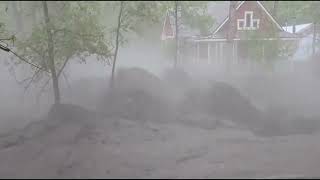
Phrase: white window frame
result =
(258, 22)
(238, 24)
(251, 27)
(245, 19)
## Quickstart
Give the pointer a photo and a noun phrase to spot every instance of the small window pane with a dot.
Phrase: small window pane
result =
(248, 20)
(255, 24)
(241, 24)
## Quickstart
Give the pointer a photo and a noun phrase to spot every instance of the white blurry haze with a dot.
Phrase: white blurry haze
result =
(172, 150)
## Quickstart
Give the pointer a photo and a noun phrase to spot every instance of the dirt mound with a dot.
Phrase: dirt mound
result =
(61, 115)
(136, 105)
(221, 101)
(277, 122)
(85, 92)
(138, 95)
(177, 77)
(280, 127)
(139, 79)
(224, 102)
(194, 101)
(69, 112)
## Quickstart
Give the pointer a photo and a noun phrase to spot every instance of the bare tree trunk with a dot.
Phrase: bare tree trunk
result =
(177, 33)
(232, 8)
(117, 46)
(314, 38)
(55, 81)
(316, 23)
(34, 16)
(17, 15)
(230, 32)
(275, 8)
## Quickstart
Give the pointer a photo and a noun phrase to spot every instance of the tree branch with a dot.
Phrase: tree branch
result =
(58, 75)
(63, 66)
(35, 50)
(30, 63)
(66, 79)
(15, 77)
(65, 30)
(32, 79)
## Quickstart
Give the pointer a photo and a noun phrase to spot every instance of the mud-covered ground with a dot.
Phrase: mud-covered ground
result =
(119, 148)
(183, 133)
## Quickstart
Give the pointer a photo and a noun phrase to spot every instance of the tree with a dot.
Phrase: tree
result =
(117, 44)
(177, 32)
(17, 15)
(192, 15)
(51, 56)
(195, 15)
(136, 16)
(315, 14)
(4, 20)
(275, 8)
(230, 33)
(131, 18)
(71, 30)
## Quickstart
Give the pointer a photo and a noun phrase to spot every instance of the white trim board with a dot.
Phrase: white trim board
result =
(244, 21)
(270, 16)
(269, 39)
(227, 18)
(264, 9)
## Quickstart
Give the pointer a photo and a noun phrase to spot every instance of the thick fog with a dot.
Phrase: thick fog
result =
(198, 120)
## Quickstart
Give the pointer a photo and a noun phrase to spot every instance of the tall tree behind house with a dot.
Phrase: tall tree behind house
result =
(176, 35)
(231, 29)
(232, 8)
(315, 15)
(275, 9)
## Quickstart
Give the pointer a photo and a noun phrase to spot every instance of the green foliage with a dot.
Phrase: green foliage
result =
(84, 28)
(169, 48)
(288, 10)
(260, 49)
(76, 32)
(4, 20)
(194, 14)
(273, 49)
(139, 16)
(313, 11)
(303, 11)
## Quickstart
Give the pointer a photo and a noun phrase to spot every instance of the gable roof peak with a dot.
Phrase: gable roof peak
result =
(240, 3)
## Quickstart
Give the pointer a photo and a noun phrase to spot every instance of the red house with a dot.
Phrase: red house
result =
(250, 24)
(168, 31)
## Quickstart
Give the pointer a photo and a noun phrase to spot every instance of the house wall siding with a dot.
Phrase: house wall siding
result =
(266, 25)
